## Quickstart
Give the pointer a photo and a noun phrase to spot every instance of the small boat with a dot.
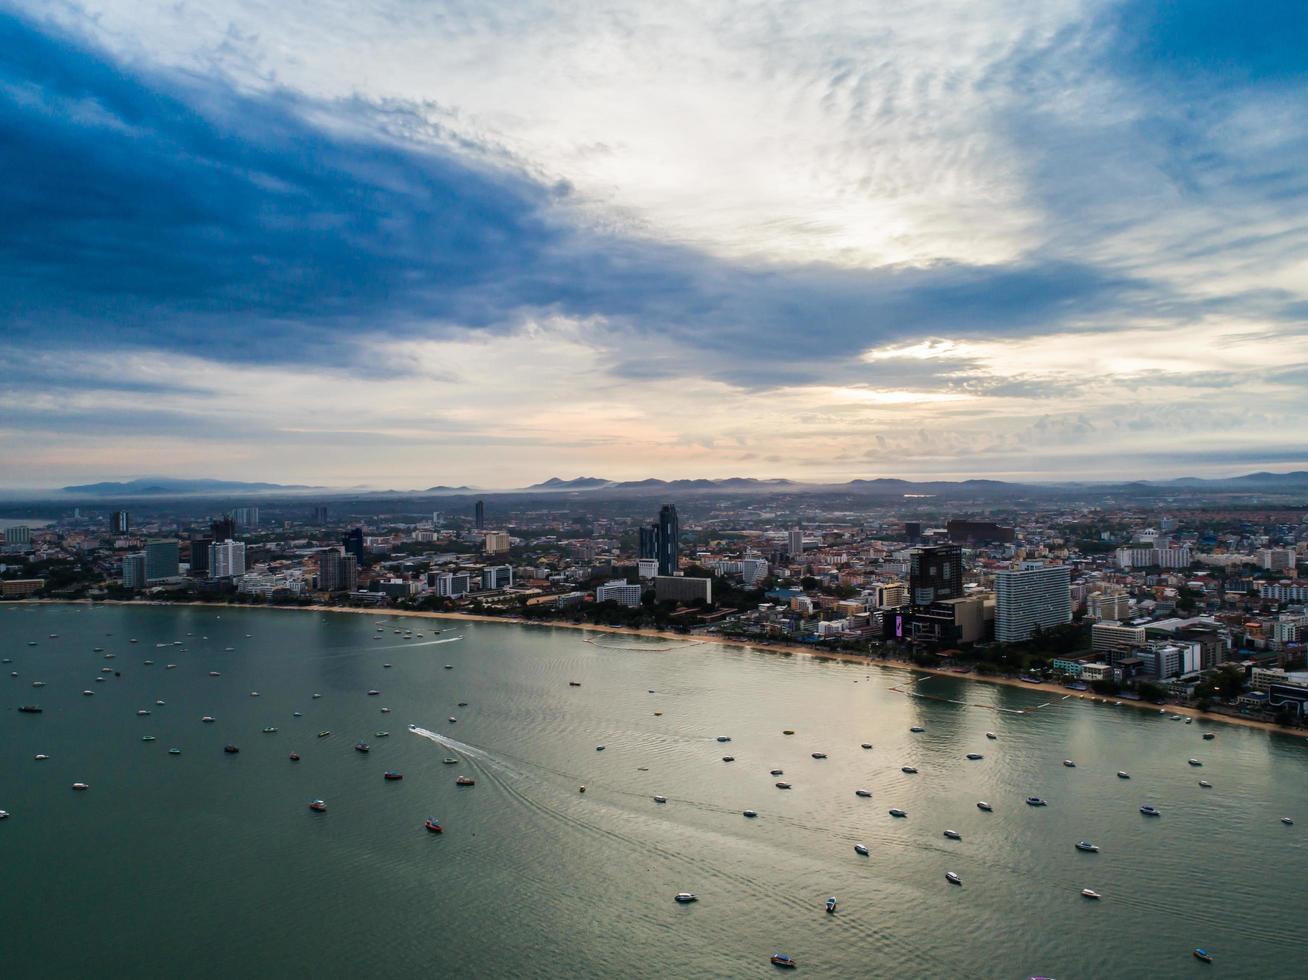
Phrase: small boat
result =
(1203, 955)
(1085, 845)
(1035, 801)
(1069, 763)
(819, 755)
(214, 673)
(386, 666)
(865, 793)
(658, 714)
(361, 747)
(1090, 893)
(373, 692)
(230, 749)
(867, 745)
(685, 898)
(38, 683)
(1194, 762)
(896, 812)
(449, 666)
(1189, 721)
(81, 786)
(295, 757)
(469, 781)
(450, 762)
(433, 825)
(40, 757)
(1123, 774)
(1205, 784)
(953, 835)
(463, 704)
(974, 756)
(724, 738)
(170, 666)
(270, 731)
(983, 805)
(908, 769)
(861, 849)
(1176, 717)
(149, 663)
(254, 694)
(386, 711)
(1287, 821)
(147, 738)
(917, 729)
(1209, 736)
(31, 643)
(751, 813)
(318, 806)
(390, 775)
(91, 694)
(1150, 811)
(297, 714)
(660, 799)
(784, 961)
(207, 719)
(788, 731)
(574, 683)
(831, 904)
(381, 734)
(174, 751)
(599, 748)
(581, 789)
(952, 878)
(777, 772)
(161, 701)
(316, 696)
(728, 758)
(783, 785)
(30, 709)
(4, 814)
(323, 734)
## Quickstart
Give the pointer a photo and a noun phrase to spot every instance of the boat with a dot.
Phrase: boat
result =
(783, 785)
(1150, 811)
(788, 731)
(867, 745)
(1203, 955)
(917, 729)
(599, 748)
(214, 673)
(1209, 736)
(318, 806)
(161, 701)
(390, 775)
(295, 757)
(30, 709)
(724, 738)
(254, 694)
(1090, 893)
(433, 825)
(1287, 821)
(373, 692)
(784, 961)
(91, 694)
(660, 799)
(386, 711)
(1123, 774)
(861, 849)
(952, 878)
(81, 786)
(316, 696)
(685, 898)
(1176, 718)
(908, 769)
(1189, 721)
(1194, 762)
(463, 704)
(31, 643)
(450, 762)
(40, 757)
(469, 781)
(831, 904)
(1085, 845)
(581, 789)
(38, 683)
(297, 714)
(170, 666)
(1035, 801)
(1205, 784)
(728, 758)
(896, 812)
(207, 719)
(149, 663)
(147, 738)
(174, 751)
(974, 756)
(865, 793)
(230, 749)
(270, 731)
(1069, 763)
(819, 755)
(751, 813)
(323, 734)
(953, 835)
(983, 805)
(449, 666)
(360, 746)
(4, 814)
(381, 734)
(777, 772)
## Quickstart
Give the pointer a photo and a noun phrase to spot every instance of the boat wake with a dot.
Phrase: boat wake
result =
(466, 750)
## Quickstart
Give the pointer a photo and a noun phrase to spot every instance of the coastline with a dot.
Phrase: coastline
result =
(790, 649)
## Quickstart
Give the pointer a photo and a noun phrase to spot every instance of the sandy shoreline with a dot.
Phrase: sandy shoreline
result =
(779, 648)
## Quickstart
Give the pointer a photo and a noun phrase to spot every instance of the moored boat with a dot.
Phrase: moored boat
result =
(450, 762)
(1150, 811)
(1069, 763)
(782, 960)
(831, 904)
(30, 709)
(392, 776)
(783, 785)
(660, 799)
(1085, 845)
(728, 758)
(896, 812)
(908, 769)
(685, 898)
(1209, 736)
(466, 781)
(318, 806)
(974, 756)
(1205, 784)
(724, 738)
(751, 813)
(361, 747)
(865, 793)
(1090, 893)
(867, 745)
(81, 786)
(323, 734)
(917, 729)
(861, 849)
(991, 735)
(1035, 801)
(230, 749)
(1123, 774)
(1287, 821)
(295, 757)
(953, 878)
(1203, 955)
(953, 835)
(433, 825)
(1194, 762)
(983, 805)
(777, 772)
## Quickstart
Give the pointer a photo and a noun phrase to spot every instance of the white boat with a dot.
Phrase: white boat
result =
(953, 835)
(1287, 821)
(1085, 845)
(660, 799)
(1205, 784)
(952, 878)
(3, 814)
(751, 813)
(1090, 893)
(685, 898)
(1123, 774)
(896, 812)
(861, 849)
(1194, 762)
(983, 805)
(991, 735)
(1069, 763)
(81, 785)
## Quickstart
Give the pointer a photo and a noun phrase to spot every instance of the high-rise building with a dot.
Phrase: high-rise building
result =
(353, 542)
(246, 517)
(935, 574)
(669, 540)
(337, 572)
(226, 559)
(649, 542)
(120, 522)
(134, 570)
(979, 532)
(796, 543)
(1035, 596)
(18, 535)
(223, 529)
(497, 542)
(479, 515)
(200, 555)
(437, 519)
(679, 588)
(496, 577)
(451, 585)
(620, 592)
(913, 531)
(320, 514)
(162, 559)
(647, 568)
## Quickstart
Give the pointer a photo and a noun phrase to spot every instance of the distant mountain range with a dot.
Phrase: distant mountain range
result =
(154, 486)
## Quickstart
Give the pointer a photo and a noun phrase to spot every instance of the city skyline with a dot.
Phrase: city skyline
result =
(326, 245)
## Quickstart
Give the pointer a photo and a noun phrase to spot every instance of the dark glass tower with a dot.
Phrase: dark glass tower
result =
(223, 529)
(120, 522)
(649, 541)
(669, 533)
(353, 542)
(935, 574)
(480, 512)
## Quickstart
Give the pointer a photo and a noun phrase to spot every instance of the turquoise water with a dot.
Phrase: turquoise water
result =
(211, 865)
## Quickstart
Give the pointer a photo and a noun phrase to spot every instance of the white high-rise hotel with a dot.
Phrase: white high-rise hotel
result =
(1036, 595)
(226, 559)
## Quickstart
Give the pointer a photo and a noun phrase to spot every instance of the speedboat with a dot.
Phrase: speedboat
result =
(38, 683)
(81, 786)
(728, 758)
(295, 757)
(983, 805)
(463, 704)
(724, 738)
(788, 731)
(1150, 811)
(270, 731)
(207, 719)
(1203, 955)
(776, 772)
(782, 960)
(3, 814)
(1209, 736)
(953, 835)
(831, 904)
(381, 734)
(1123, 774)
(318, 806)
(214, 673)
(861, 849)
(1205, 784)
(867, 745)
(1035, 801)
(865, 793)
(917, 729)
(147, 738)
(908, 769)
(174, 751)
(896, 812)
(685, 898)
(323, 734)
(819, 755)
(599, 748)
(170, 666)
(392, 776)
(450, 762)
(433, 825)
(1085, 845)
(40, 757)
(783, 785)
(297, 714)
(373, 692)
(149, 663)
(90, 694)
(465, 781)
(161, 701)
(1287, 821)
(230, 749)
(974, 756)
(660, 799)
(30, 709)
(751, 813)
(1090, 893)
(952, 878)
(316, 696)
(1194, 762)
(1069, 763)
(360, 746)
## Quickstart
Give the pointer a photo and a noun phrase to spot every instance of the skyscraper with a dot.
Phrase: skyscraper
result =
(222, 529)
(669, 540)
(353, 542)
(120, 522)
(246, 517)
(134, 570)
(200, 555)
(649, 542)
(227, 559)
(479, 513)
(1035, 596)
(161, 560)
(935, 574)
(337, 572)
(320, 514)
(796, 543)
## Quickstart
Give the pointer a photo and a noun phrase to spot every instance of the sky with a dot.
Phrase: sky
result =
(401, 243)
